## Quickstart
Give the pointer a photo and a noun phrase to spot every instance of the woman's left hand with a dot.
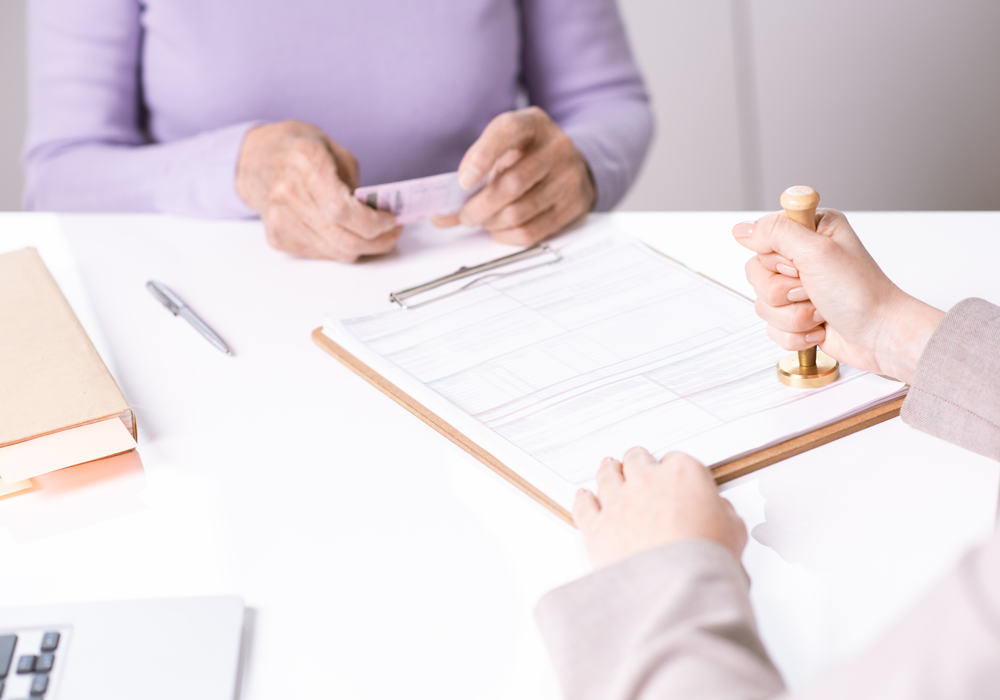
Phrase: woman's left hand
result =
(642, 504)
(537, 183)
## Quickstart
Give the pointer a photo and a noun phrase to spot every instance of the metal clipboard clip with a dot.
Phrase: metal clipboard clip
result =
(463, 272)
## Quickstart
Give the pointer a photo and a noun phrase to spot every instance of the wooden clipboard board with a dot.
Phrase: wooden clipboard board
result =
(722, 473)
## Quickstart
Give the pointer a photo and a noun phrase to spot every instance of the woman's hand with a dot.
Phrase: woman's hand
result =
(537, 182)
(642, 504)
(302, 185)
(824, 288)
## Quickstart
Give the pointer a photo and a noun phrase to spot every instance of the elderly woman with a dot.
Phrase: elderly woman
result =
(667, 615)
(226, 108)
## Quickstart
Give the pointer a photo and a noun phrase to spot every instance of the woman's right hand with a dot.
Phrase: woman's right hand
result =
(302, 184)
(824, 288)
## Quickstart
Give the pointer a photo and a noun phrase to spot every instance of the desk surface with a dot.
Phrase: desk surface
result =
(381, 560)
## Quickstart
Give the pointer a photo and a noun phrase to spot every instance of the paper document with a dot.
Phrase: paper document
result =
(422, 198)
(616, 345)
(65, 448)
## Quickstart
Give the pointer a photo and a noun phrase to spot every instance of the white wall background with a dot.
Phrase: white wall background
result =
(893, 104)
(12, 99)
(879, 105)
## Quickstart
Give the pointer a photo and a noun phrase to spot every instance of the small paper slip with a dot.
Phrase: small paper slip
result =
(7, 489)
(547, 370)
(48, 453)
(415, 200)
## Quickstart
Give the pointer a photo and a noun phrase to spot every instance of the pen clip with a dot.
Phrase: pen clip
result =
(463, 272)
(165, 297)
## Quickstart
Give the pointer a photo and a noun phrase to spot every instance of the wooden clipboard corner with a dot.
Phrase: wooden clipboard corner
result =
(804, 443)
(722, 473)
(434, 421)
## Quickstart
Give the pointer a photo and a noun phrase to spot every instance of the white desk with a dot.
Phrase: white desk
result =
(381, 560)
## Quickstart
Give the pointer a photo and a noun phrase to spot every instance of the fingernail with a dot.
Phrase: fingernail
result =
(469, 177)
(787, 270)
(607, 460)
(797, 294)
(744, 229)
(815, 336)
(818, 317)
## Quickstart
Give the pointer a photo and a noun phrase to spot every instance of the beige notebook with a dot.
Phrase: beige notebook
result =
(59, 404)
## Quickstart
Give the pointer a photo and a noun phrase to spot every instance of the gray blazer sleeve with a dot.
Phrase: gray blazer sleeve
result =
(945, 647)
(955, 393)
(675, 622)
(672, 622)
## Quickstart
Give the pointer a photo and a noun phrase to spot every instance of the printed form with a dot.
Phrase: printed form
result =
(553, 368)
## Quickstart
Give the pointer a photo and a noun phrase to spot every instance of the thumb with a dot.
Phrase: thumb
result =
(776, 233)
(586, 508)
(509, 131)
(345, 163)
(446, 221)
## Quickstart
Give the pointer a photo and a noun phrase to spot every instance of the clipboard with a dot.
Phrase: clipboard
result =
(727, 471)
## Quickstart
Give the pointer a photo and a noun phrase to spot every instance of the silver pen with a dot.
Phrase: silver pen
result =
(179, 308)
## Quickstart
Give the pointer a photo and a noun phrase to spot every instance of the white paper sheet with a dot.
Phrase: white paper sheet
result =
(554, 368)
(66, 448)
(7, 489)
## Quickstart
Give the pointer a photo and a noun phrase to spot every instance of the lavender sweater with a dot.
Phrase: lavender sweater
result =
(143, 105)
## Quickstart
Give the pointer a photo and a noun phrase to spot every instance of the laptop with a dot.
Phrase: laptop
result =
(187, 648)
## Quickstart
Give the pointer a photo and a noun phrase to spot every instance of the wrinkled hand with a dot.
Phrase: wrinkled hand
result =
(537, 182)
(642, 504)
(824, 288)
(301, 183)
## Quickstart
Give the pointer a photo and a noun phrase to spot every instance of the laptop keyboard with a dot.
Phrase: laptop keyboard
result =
(30, 663)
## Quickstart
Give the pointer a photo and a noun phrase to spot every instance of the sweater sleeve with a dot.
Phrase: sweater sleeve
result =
(955, 393)
(577, 66)
(672, 622)
(87, 149)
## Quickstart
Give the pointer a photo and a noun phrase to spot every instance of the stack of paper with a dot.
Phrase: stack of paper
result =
(59, 405)
(553, 368)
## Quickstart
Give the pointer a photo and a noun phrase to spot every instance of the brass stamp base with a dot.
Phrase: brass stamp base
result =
(825, 371)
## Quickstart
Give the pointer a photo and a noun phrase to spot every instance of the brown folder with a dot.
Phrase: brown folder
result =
(723, 472)
(59, 404)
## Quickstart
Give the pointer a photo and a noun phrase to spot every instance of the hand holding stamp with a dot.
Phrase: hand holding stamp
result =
(811, 368)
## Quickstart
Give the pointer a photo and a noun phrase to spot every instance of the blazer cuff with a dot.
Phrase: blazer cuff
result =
(955, 388)
(614, 624)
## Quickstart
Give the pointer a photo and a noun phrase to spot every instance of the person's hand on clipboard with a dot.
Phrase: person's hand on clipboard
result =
(670, 613)
(827, 289)
(643, 503)
(810, 289)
